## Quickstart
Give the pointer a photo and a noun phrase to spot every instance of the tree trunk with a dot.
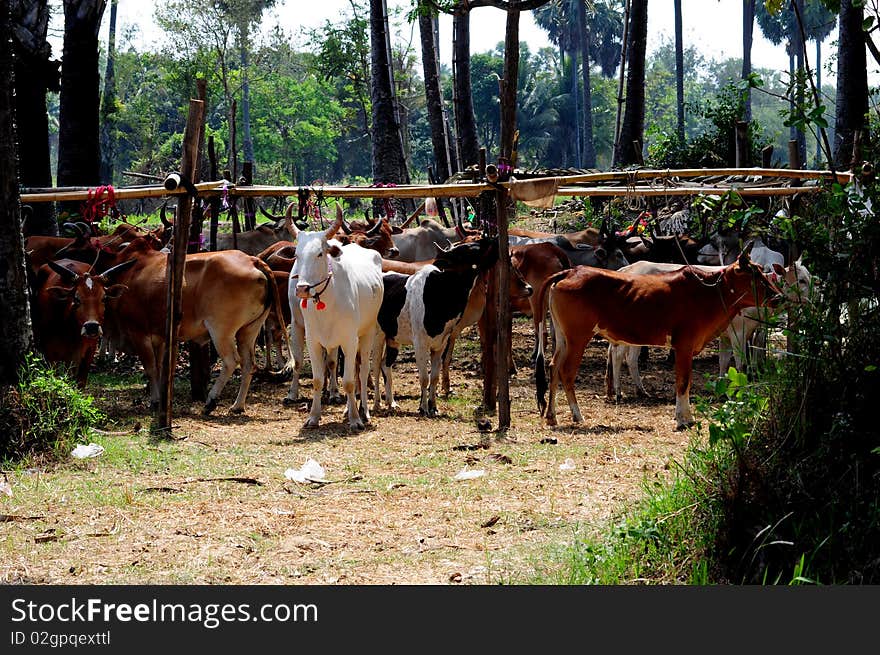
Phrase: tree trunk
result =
(792, 130)
(433, 97)
(465, 121)
(35, 73)
(108, 103)
(800, 135)
(16, 338)
(588, 147)
(388, 161)
(628, 148)
(748, 33)
(679, 73)
(852, 82)
(79, 155)
(247, 144)
(508, 86)
(819, 87)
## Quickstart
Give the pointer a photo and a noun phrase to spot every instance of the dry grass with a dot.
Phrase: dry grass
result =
(145, 513)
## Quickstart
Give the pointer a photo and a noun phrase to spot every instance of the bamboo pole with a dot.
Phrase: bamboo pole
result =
(177, 263)
(472, 190)
(505, 325)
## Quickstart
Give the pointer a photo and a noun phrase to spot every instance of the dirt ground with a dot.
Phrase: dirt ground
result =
(214, 506)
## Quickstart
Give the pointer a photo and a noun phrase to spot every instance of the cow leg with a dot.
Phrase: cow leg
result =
(316, 355)
(568, 373)
(365, 349)
(227, 352)
(376, 368)
(633, 356)
(349, 351)
(246, 342)
(447, 360)
(333, 395)
(725, 352)
(612, 373)
(436, 361)
(297, 339)
(421, 352)
(151, 354)
(684, 359)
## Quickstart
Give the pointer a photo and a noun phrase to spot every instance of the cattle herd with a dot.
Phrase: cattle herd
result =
(355, 293)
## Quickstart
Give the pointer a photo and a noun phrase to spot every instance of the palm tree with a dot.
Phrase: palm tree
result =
(679, 72)
(433, 95)
(465, 121)
(15, 323)
(36, 73)
(79, 154)
(852, 82)
(108, 102)
(748, 33)
(388, 161)
(627, 150)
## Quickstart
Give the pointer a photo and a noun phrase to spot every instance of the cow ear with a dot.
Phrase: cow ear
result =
(779, 269)
(59, 293)
(334, 250)
(115, 290)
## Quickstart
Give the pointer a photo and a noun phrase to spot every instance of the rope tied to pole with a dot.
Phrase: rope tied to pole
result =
(101, 202)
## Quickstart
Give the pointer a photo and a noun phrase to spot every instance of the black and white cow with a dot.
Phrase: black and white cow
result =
(422, 309)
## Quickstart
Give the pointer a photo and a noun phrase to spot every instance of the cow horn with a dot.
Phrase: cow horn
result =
(84, 228)
(373, 231)
(333, 229)
(162, 216)
(442, 249)
(345, 226)
(459, 224)
(107, 275)
(271, 217)
(288, 221)
(68, 275)
(73, 227)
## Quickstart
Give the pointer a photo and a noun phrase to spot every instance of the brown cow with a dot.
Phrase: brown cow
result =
(226, 298)
(684, 309)
(41, 249)
(68, 311)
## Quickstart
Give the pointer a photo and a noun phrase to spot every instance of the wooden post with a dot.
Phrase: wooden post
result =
(215, 200)
(505, 327)
(743, 151)
(177, 262)
(767, 156)
(199, 356)
(794, 158)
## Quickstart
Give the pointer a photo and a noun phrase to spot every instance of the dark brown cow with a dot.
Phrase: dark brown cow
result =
(684, 309)
(41, 249)
(226, 298)
(68, 311)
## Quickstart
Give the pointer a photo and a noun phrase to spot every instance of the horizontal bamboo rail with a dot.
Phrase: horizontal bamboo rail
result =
(684, 191)
(661, 183)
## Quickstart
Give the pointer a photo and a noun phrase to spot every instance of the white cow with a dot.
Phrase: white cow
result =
(797, 287)
(339, 289)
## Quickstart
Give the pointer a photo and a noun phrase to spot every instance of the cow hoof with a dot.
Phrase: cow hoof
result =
(311, 423)
(236, 410)
(551, 422)
(289, 402)
(358, 426)
(210, 406)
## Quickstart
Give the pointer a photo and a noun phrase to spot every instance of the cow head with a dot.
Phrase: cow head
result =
(312, 269)
(747, 282)
(377, 237)
(478, 255)
(85, 295)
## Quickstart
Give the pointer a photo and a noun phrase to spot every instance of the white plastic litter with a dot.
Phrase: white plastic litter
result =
(311, 471)
(567, 465)
(469, 474)
(92, 450)
(6, 488)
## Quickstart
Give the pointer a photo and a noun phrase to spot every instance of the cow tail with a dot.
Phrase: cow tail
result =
(538, 319)
(273, 300)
